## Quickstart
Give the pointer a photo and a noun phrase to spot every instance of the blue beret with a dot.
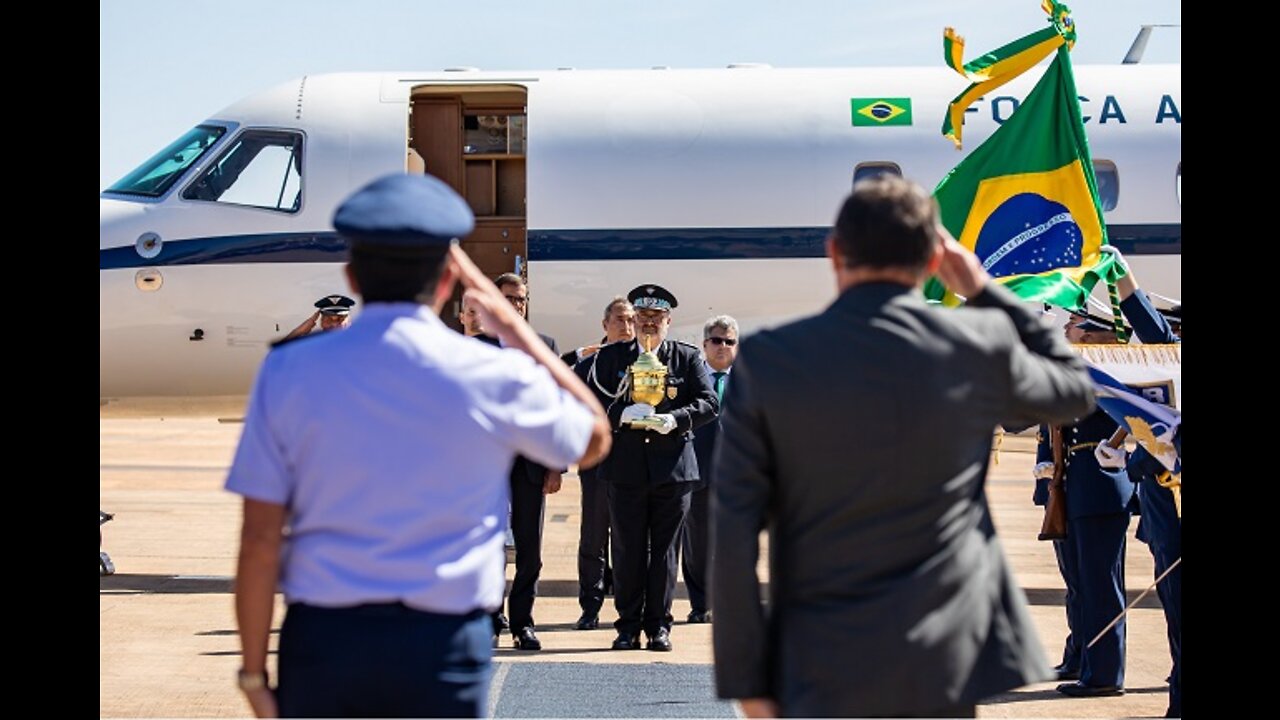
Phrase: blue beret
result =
(404, 211)
(654, 297)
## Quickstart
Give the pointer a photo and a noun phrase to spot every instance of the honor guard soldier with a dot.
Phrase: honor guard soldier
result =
(660, 392)
(393, 557)
(333, 313)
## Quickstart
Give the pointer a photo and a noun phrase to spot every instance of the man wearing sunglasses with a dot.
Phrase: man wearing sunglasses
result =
(530, 484)
(720, 349)
(652, 470)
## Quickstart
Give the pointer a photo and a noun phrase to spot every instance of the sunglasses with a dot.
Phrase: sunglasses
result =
(730, 342)
(517, 300)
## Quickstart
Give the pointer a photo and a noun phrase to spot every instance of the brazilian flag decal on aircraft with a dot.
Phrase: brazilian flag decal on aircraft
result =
(881, 111)
(1026, 200)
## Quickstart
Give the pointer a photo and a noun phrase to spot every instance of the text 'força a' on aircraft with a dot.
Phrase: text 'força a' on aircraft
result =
(721, 184)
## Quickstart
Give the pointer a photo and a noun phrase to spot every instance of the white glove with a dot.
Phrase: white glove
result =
(1108, 457)
(638, 411)
(668, 423)
(1043, 471)
(1114, 252)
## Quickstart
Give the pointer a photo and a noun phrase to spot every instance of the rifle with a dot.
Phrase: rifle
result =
(1054, 526)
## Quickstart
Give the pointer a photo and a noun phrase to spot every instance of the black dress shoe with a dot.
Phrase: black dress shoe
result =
(699, 617)
(660, 641)
(1077, 689)
(1062, 672)
(626, 641)
(527, 640)
(500, 622)
(587, 622)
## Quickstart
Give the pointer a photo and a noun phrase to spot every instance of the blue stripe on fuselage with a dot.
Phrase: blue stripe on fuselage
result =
(580, 245)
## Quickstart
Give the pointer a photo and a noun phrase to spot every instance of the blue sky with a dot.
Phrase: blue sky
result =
(165, 66)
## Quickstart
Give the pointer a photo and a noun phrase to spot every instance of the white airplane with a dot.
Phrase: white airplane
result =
(718, 184)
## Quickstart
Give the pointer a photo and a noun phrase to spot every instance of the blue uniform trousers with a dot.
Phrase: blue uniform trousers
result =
(1098, 543)
(384, 660)
(1064, 550)
(1163, 529)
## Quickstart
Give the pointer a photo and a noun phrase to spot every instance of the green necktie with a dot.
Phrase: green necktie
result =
(719, 376)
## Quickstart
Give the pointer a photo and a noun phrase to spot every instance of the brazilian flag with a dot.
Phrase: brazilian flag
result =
(1026, 200)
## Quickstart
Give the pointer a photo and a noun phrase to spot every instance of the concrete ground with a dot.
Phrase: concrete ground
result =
(168, 647)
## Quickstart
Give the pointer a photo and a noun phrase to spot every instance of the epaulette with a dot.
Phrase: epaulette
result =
(290, 340)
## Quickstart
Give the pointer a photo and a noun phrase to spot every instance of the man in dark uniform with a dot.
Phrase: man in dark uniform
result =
(1100, 501)
(333, 312)
(1161, 523)
(530, 484)
(1069, 668)
(652, 468)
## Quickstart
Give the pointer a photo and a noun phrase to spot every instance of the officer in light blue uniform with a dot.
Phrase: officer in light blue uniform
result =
(393, 481)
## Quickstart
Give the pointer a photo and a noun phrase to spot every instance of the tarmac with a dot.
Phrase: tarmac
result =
(168, 644)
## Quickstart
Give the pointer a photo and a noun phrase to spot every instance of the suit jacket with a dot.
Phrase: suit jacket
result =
(645, 456)
(860, 437)
(704, 438)
(524, 468)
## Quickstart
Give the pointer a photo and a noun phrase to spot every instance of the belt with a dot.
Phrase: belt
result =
(1082, 446)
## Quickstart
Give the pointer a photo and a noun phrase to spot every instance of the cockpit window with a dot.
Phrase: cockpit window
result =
(260, 168)
(154, 177)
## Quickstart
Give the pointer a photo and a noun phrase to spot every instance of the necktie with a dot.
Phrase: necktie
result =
(719, 376)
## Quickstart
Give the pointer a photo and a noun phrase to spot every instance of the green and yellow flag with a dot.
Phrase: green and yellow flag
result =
(990, 71)
(1026, 200)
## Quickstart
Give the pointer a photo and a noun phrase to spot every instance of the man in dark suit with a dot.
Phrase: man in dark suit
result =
(719, 349)
(652, 468)
(595, 578)
(530, 484)
(889, 590)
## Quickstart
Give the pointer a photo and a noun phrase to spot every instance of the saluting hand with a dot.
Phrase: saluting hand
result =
(497, 315)
(960, 270)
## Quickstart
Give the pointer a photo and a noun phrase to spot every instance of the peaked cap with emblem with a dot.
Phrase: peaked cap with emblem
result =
(653, 297)
(410, 212)
(335, 305)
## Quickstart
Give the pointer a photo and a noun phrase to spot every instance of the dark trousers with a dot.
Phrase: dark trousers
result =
(1164, 533)
(1066, 555)
(646, 520)
(383, 661)
(527, 505)
(593, 542)
(694, 538)
(1098, 541)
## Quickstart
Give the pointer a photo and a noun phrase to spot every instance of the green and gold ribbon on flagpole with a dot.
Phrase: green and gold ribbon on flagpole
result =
(993, 69)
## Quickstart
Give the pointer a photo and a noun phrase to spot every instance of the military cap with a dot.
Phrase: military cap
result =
(335, 305)
(652, 297)
(404, 211)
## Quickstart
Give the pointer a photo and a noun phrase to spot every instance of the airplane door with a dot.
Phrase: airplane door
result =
(474, 139)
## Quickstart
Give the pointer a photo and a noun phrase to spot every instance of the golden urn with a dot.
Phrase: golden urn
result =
(648, 377)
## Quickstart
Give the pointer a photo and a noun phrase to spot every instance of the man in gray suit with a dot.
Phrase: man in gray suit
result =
(860, 438)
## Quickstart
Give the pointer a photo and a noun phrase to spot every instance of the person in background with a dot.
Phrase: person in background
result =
(719, 349)
(595, 577)
(333, 312)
